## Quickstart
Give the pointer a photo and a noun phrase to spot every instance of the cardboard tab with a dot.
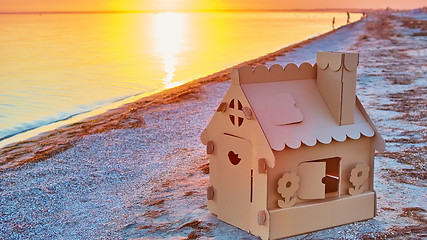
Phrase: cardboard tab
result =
(262, 217)
(292, 149)
(222, 107)
(210, 193)
(262, 166)
(248, 113)
(210, 147)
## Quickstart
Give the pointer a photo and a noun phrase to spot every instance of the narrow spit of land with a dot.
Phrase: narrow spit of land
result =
(140, 172)
(127, 116)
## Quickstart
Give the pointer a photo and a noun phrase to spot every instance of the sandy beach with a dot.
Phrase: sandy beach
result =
(140, 171)
(47, 143)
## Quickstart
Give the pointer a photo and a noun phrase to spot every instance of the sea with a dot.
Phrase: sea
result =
(54, 67)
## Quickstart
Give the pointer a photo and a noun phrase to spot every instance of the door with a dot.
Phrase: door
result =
(319, 178)
(234, 181)
(310, 184)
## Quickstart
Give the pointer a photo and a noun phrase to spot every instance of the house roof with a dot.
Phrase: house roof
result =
(293, 112)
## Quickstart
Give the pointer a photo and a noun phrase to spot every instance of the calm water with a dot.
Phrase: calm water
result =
(53, 66)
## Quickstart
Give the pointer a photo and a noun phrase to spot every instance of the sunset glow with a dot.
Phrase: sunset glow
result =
(170, 32)
(183, 5)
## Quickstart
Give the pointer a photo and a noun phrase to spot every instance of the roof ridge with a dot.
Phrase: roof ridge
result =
(275, 73)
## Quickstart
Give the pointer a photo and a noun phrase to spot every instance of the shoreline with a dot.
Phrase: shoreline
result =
(343, 10)
(151, 182)
(33, 132)
(41, 143)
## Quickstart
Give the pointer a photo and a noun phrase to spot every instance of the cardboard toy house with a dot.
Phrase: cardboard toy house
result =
(292, 150)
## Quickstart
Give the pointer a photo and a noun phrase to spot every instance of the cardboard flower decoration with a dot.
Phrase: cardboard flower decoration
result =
(289, 146)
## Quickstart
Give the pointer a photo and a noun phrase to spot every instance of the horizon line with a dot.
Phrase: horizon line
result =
(354, 10)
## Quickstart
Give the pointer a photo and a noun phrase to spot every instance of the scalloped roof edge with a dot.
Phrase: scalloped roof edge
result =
(276, 73)
(336, 60)
(362, 130)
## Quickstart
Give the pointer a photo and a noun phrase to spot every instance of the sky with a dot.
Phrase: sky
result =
(171, 5)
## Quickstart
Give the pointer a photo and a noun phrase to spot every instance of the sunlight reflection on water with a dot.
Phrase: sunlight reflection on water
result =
(170, 31)
(57, 65)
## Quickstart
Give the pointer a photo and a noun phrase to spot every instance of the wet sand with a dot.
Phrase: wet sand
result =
(146, 176)
(127, 116)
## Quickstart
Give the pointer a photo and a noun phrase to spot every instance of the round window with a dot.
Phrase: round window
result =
(236, 120)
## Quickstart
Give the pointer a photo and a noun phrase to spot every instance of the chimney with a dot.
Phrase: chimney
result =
(336, 81)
